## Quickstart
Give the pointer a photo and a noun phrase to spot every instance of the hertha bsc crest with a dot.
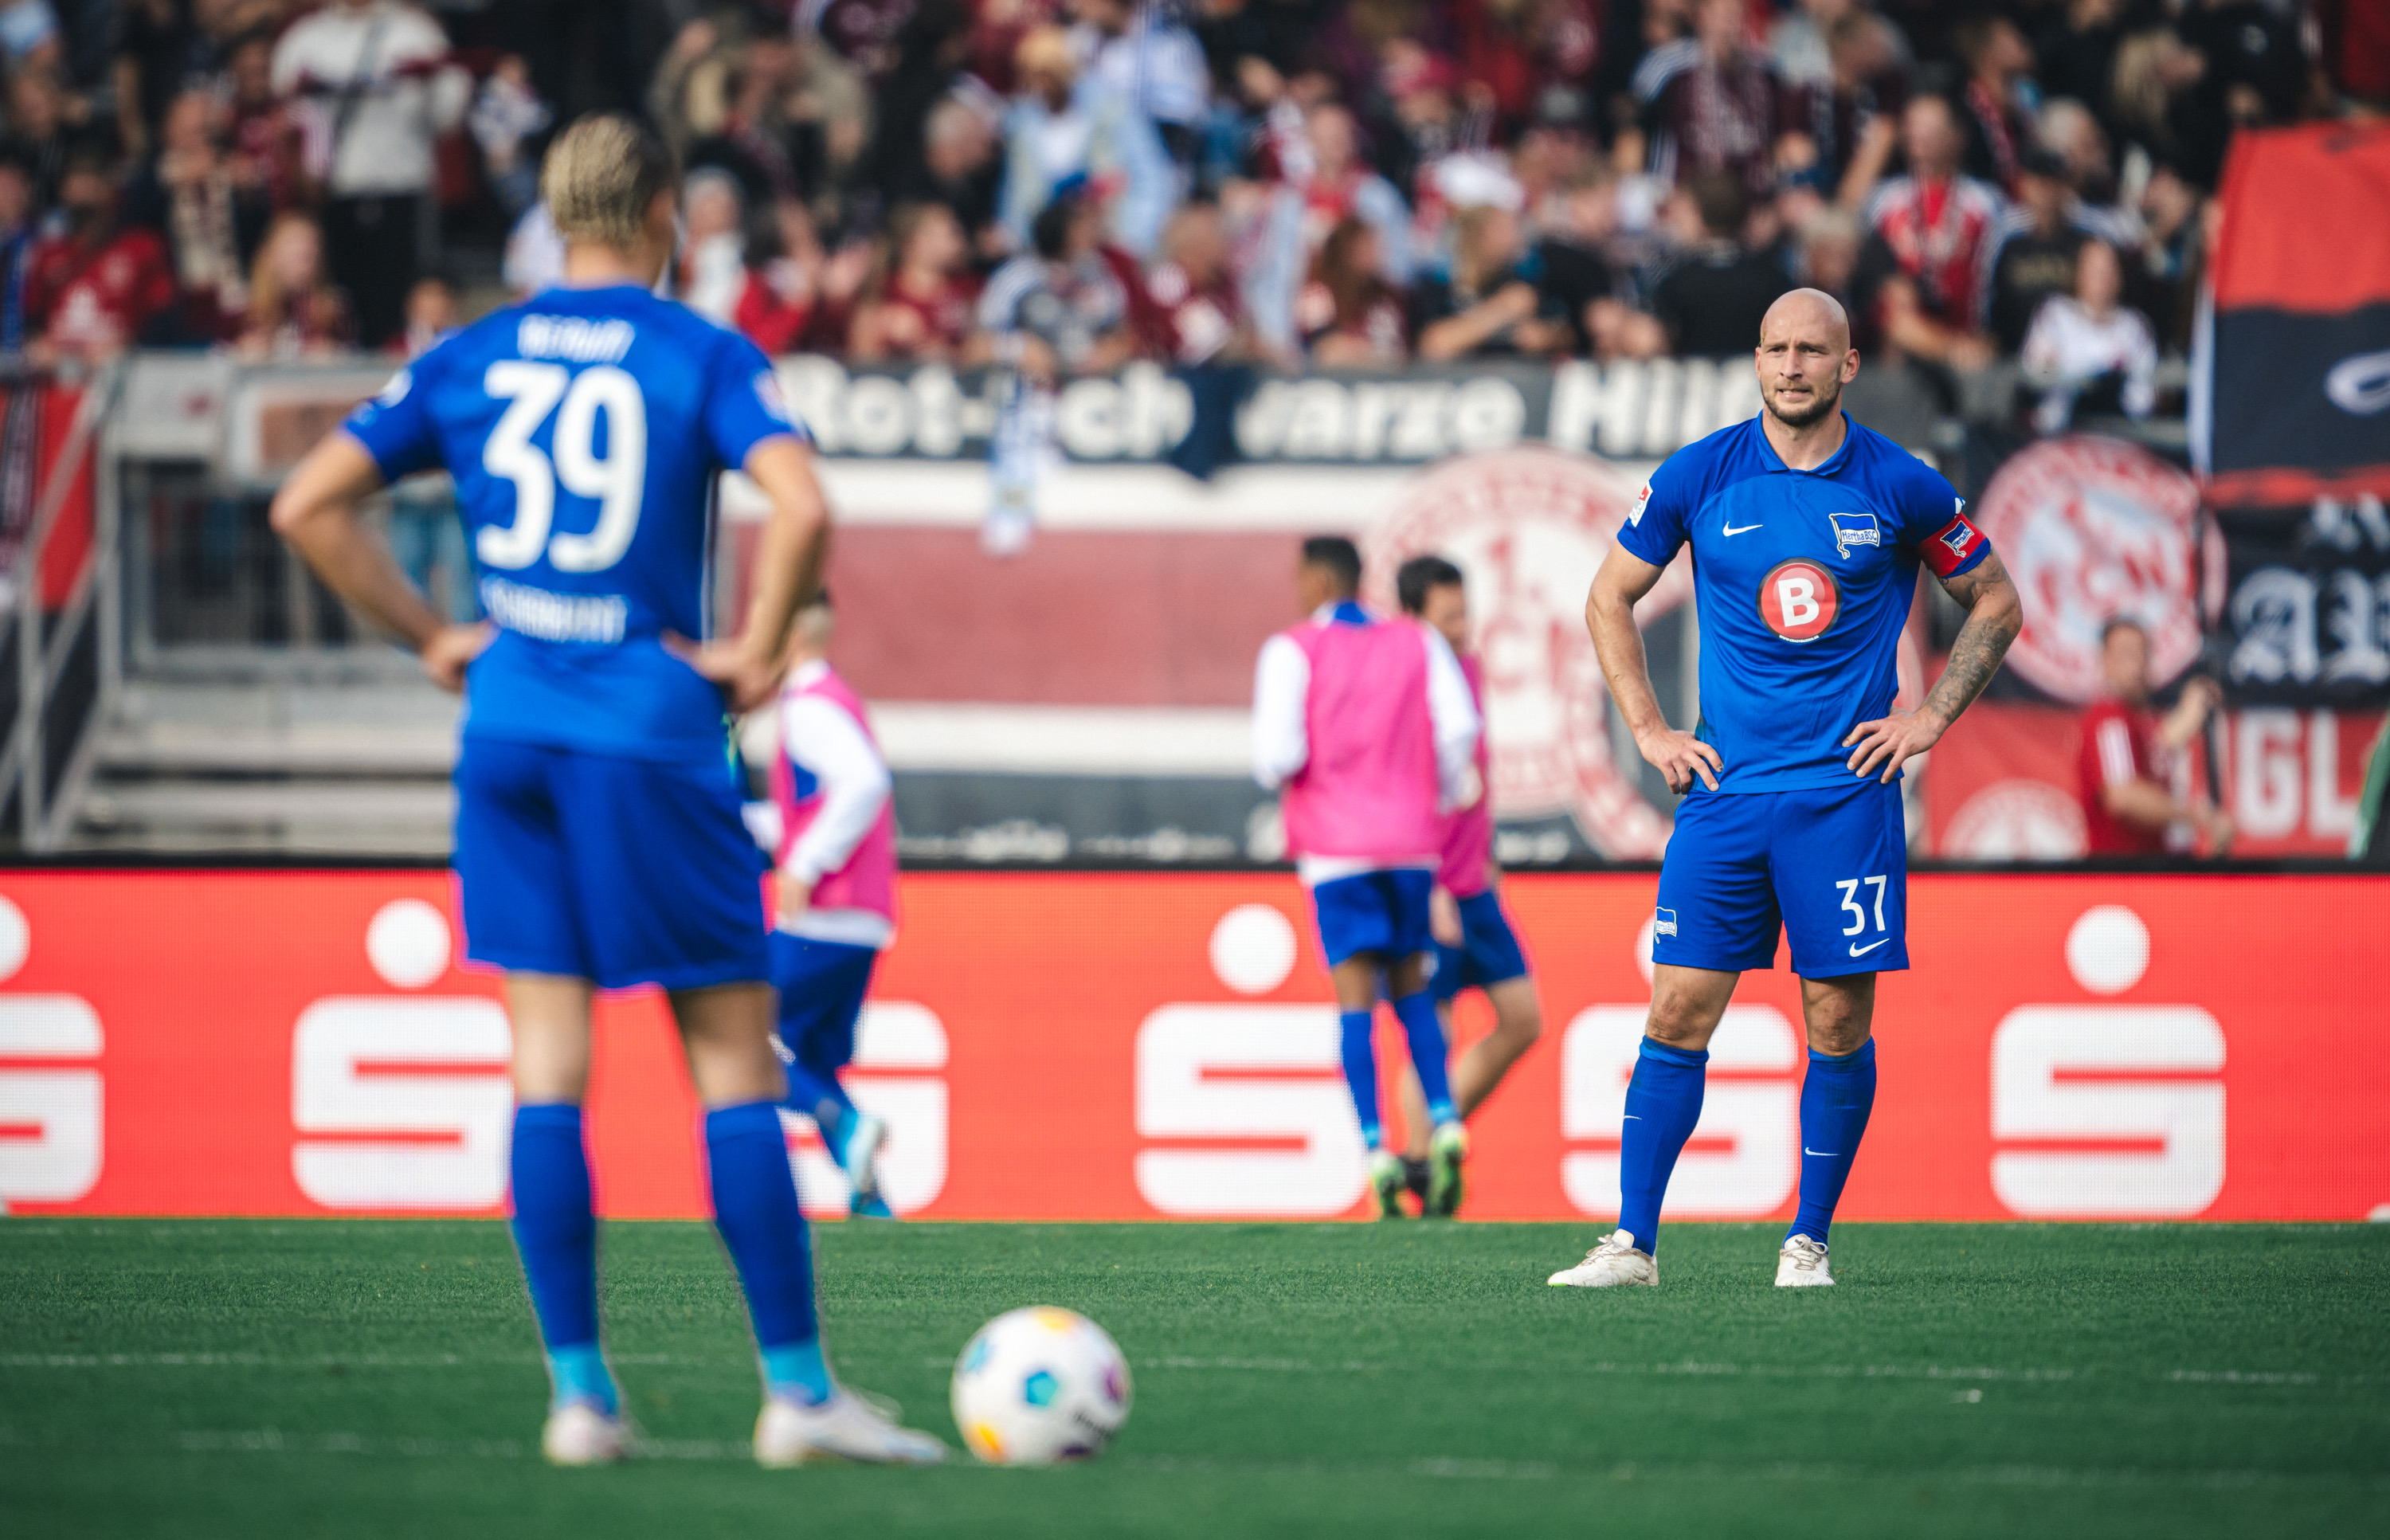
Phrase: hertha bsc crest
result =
(1854, 529)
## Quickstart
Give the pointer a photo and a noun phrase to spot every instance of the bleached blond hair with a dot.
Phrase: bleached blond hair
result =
(600, 176)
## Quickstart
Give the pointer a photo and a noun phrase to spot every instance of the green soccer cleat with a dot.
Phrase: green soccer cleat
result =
(1446, 1150)
(1386, 1185)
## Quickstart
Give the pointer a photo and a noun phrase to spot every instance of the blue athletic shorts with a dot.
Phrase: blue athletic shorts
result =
(617, 871)
(822, 985)
(1489, 954)
(1383, 912)
(1828, 866)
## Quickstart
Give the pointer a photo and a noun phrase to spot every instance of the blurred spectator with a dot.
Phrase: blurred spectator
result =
(1199, 317)
(2069, 130)
(427, 533)
(29, 33)
(294, 309)
(39, 130)
(198, 205)
(2035, 255)
(15, 246)
(1921, 272)
(2171, 251)
(2076, 50)
(1997, 59)
(1800, 42)
(1337, 183)
(1487, 305)
(504, 116)
(1846, 119)
(93, 290)
(1576, 272)
(431, 316)
(2131, 763)
(917, 306)
(2159, 106)
(1058, 308)
(2086, 343)
(1061, 127)
(958, 171)
(1350, 317)
(154, 40)
(1713, 299)
(269, 171)
(1721, 107)
(1132, 51)
(1830, 242)
(377, 72)
(712, 271)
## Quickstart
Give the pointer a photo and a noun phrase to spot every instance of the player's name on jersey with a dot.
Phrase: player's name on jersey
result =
(575, 338)
(555, 617)
(1628, 410)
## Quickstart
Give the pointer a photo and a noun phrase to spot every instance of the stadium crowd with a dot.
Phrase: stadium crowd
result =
(1065, 185)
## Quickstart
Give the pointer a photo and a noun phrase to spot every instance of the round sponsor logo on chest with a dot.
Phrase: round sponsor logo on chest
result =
(1530, 527)
(1798, 600)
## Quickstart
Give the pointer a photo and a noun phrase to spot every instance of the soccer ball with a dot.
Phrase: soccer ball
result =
(1039, 1386)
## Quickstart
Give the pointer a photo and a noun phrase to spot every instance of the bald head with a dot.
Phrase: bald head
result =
(1808, 310)
(1805, 357)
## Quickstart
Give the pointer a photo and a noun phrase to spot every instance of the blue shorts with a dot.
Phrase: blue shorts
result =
(1381, 912)
(1488, 953)
(1828, 866)
(617, 871)
(822, 985)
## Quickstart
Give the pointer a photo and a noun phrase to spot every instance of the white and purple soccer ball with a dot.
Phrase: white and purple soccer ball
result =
(1040, 1386)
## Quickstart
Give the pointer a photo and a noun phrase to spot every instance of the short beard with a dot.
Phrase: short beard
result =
(1829, 397)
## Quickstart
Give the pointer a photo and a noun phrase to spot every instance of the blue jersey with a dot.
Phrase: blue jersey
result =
(1805, 579)
(585, 428)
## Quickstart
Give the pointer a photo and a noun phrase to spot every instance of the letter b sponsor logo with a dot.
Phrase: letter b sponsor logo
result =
(1798, 600)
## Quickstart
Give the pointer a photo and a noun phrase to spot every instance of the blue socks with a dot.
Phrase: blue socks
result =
(755, 1209)
(556, 1234)
(1663, 1102)
(1425, 1035)
(1361, 1073)
(1836, 1096)
(822, 1099)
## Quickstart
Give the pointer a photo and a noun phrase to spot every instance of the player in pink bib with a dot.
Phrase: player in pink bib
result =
(1365, 726)
(1475, 947)
(837, 861)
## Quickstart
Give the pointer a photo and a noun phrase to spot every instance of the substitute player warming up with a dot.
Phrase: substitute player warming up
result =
(598, 837)
(1475, 947)
(1366, 725)
(1806, 531)
(838, 897)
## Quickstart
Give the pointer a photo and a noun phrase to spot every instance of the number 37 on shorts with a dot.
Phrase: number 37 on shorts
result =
(1825, 869)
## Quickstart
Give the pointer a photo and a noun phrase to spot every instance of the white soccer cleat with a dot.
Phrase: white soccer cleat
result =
(1802, 1264)
(845, 1429)
(1613, 1262)
(581, 1433)
(860, 1154)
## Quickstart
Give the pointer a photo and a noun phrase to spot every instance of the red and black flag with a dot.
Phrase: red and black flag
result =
(2295, 367)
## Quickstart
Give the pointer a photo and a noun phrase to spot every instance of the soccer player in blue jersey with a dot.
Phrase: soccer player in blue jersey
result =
(598, 837)
(1806, 530)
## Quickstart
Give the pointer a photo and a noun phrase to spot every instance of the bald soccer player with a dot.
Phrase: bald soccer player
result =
(1808, 531)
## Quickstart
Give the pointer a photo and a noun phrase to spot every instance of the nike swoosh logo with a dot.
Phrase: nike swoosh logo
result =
(1634, 1117)
(1829, 1154)
(1857, 951)
(1745, 528)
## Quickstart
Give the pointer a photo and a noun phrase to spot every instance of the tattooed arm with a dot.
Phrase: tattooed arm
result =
(1995, 615)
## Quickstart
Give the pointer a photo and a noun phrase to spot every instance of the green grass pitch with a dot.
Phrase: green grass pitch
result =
(360, 1379)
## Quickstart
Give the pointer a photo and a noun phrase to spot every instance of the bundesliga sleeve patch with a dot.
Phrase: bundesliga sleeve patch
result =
(1642, 500)
(1954, 546)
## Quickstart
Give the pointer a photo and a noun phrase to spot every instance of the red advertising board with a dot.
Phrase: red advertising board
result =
(1122, 1046)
